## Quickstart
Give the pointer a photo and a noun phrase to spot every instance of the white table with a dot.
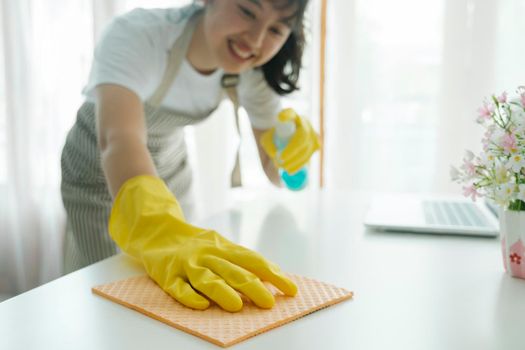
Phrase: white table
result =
(411, 291)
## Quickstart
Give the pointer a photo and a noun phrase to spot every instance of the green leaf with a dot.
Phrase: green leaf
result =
(517, 205)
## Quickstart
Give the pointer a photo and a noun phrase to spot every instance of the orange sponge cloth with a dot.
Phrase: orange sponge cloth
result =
(214, 324)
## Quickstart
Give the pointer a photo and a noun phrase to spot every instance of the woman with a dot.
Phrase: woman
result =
(124, 162)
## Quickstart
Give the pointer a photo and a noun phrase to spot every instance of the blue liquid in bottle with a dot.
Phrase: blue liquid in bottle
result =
(297, 181)
(283, 133)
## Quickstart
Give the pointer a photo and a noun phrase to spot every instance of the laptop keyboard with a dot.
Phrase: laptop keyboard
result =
(453, 213)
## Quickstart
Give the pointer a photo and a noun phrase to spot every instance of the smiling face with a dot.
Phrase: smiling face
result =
(242, 34)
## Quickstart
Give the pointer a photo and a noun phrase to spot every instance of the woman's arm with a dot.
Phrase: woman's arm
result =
(122, 136)
(269, 168)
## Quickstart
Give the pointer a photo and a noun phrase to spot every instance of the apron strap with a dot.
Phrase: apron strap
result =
(177, 54)
(229, 84)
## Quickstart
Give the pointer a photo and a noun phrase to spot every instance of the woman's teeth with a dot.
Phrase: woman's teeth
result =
(239, 52)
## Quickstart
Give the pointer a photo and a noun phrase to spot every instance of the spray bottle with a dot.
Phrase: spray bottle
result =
(284, 131)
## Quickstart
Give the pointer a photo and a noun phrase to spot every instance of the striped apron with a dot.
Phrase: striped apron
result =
(84, 190)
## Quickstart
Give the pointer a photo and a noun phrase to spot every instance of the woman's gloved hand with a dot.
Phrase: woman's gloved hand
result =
(300, 147)
(186, 261)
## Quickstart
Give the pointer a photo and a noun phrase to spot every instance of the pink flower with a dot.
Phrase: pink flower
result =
(523, 99)
(469, 167)
(470, 191)
(516, 253)
(508, 143)
(485, 112)
(503, 97)
(515, 258)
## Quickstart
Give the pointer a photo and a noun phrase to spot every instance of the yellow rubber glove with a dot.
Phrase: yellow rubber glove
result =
(300, 147)
(186, 261)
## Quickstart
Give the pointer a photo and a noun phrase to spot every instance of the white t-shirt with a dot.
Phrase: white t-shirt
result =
(133, 52)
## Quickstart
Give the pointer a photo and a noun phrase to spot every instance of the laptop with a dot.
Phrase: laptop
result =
(454, 215)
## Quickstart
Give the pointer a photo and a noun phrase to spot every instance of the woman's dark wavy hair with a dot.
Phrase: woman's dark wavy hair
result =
(282, 71)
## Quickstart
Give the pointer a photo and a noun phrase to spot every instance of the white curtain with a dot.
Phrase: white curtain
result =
(46, 52)
(405, 79)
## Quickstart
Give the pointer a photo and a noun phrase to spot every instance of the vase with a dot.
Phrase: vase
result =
(512, 231)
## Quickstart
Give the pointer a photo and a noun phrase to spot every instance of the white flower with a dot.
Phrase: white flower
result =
(497, 137)
(516, 162)
(504, 194)
(518, 118)
(502, 174)
(499, 170)
(488, 159)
